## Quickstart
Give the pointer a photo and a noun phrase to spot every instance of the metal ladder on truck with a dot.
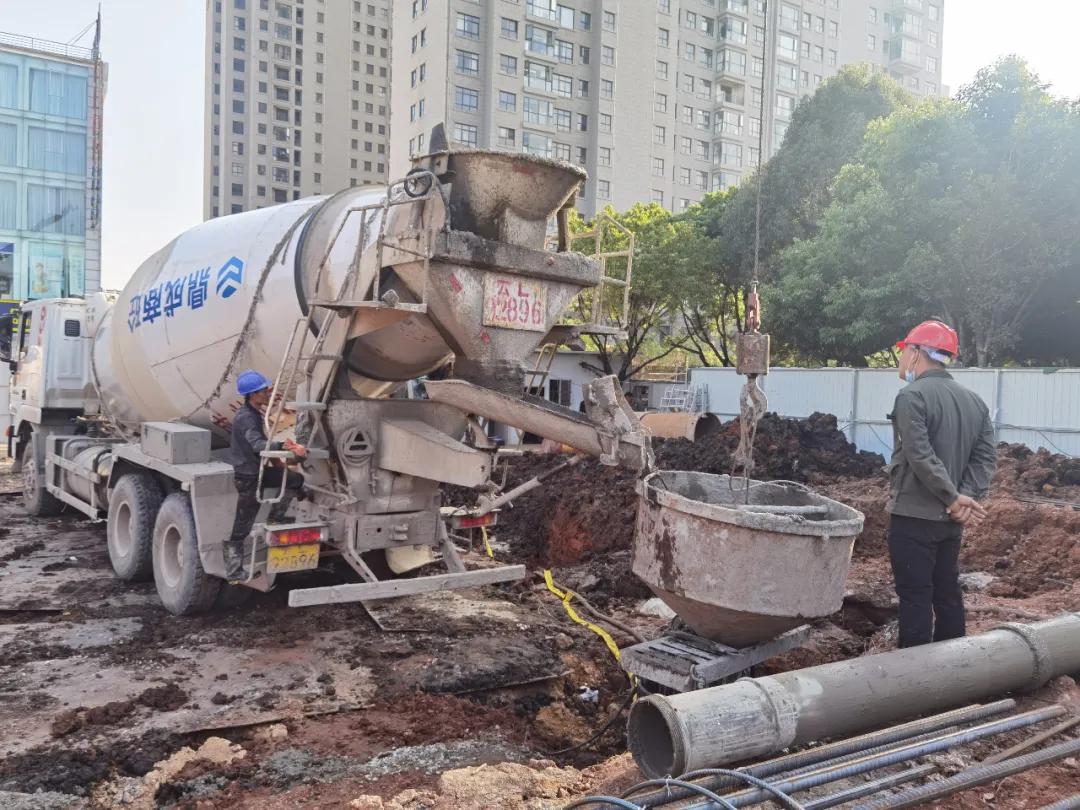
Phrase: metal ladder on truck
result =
(308, 347)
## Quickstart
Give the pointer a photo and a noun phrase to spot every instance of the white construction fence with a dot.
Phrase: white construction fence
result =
(1036, 407)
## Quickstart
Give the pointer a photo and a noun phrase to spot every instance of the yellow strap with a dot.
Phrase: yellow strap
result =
(487, 545)
(565, 597)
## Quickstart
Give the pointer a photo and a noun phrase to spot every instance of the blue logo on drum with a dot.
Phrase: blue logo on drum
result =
(230, 277)
(165, 300)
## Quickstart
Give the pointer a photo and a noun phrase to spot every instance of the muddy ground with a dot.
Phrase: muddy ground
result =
(454, 701)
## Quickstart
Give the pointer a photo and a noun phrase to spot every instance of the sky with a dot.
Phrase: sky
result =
(154, 106)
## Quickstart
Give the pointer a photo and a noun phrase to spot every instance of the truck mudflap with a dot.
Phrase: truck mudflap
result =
(387, 589)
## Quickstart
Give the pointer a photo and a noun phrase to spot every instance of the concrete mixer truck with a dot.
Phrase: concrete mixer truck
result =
(122, 403)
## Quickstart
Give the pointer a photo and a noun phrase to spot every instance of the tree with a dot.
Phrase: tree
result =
(966, 210)
(653, 298)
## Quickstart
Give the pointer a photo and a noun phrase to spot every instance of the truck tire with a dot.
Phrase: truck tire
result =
(37, 500)
(182, 584)
(133, 509)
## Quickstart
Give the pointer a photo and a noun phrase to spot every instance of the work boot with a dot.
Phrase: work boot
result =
(234, 561)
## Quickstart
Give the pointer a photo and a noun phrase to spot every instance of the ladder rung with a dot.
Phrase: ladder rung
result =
(320, 357)
(305, 406)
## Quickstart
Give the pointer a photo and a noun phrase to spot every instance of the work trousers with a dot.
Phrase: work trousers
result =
(247, 502)
(924, 555)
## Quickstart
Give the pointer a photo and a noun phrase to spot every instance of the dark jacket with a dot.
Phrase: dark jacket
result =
(943, 445)
(248, 440)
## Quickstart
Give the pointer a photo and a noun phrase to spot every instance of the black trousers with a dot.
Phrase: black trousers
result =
(247, 504)
(924, 555)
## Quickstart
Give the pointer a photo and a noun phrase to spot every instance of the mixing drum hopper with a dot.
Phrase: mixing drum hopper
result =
(742, 570)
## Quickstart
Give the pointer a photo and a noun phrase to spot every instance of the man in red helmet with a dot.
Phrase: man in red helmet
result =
(944, 456)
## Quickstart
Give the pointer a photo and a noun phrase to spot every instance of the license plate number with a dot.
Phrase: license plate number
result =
(514, 303)
(282, 559)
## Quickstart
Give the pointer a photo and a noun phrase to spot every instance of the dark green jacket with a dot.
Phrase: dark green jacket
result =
(943, 445)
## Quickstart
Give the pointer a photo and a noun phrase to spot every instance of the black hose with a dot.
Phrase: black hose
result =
(698, 789)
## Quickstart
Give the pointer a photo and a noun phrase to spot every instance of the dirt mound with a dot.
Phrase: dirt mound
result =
(590, 509)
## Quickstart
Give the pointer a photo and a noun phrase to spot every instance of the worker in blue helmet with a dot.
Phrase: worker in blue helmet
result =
(248, 441)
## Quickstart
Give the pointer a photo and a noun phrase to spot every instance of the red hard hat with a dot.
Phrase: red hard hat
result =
(933, 335)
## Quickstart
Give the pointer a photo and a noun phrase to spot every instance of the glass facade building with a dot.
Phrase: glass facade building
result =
(50, 169)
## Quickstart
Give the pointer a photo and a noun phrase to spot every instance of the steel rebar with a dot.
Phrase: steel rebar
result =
(894, 757)
(842, 748)
(972, 777)
(1071, 803)
(1031, 742)
(870, 788)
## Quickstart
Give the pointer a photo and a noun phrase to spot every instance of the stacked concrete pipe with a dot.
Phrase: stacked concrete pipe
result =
(755, 717)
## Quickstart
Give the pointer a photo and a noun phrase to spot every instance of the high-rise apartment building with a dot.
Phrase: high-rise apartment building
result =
(658, 99)
(297, 99)
(51, 99)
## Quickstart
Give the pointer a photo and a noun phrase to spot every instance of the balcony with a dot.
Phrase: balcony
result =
(904, 55)
(915, 6)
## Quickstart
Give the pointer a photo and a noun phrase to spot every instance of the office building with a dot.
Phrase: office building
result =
(51, 100)
(297, 99)
(658, 99)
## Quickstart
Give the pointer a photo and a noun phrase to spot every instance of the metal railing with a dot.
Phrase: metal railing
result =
(45, 46)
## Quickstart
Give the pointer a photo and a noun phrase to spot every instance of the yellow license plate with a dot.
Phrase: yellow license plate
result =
(282, 559)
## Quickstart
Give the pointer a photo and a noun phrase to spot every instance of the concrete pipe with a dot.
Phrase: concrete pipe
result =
(755, 717)
(679, 425)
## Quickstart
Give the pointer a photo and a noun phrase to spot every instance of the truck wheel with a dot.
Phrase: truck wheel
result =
(184, 587)
(37, 500)
(133, 508)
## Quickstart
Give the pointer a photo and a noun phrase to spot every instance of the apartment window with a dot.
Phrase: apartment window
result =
(687, 83)
(563, 85)
(583, 122)
(933, 13)
(729, 122)
(819, 53)
(757, 67)
(603, 189)
(934, 39)
(789, 16)
(562, 151)
(873, 14)
(507, 101)
(819, 25)
(832, 57)
(701, 181)
(566, 17)
(535, 144)
(565, 51)
(238, 127)
(871, 42)
(834, 29)
(661, 103)
(539, 40)
(731, 154)
(808, 20)
(659, 136)
(507, 64)
(658, 167)
(690, 20)
(687, 115)
(583, 54)
(701, 150)
(238, 169)
(607, 55)
(661, 70)
(686, 146)
(509, 28)
(583, 88)
(703, 119)
(733, 30)
(585, 21)
(787, 76)
(466, 99)
(705, 57)
(931, 64)
(607, 89)
(468, 63)
(931, 89)
(239, 44)
(689, 51)
(805, 49)
(466, 134)
(563, 120)
(468, 26)
(544, 9)
(684, 177)
(507, 137)
(734, 62)
(785, 105)
(537, 111)
(603, 157)
(705, 89)
(663, 37)
(537, 76)
(664, 6)
(787, 46)
(657, 196)
(805, 78)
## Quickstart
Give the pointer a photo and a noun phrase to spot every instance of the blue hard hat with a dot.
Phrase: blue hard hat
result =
(251, 381)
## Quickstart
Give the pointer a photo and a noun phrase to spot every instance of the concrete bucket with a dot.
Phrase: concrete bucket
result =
(741, 570)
